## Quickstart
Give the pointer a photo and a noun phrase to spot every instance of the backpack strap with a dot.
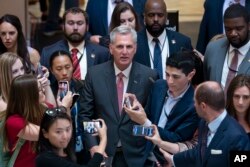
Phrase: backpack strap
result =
(12, 160)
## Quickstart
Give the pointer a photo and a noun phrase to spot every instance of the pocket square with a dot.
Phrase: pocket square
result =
(216, 152)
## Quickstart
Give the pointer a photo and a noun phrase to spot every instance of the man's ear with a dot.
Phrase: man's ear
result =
(191, 74)
(203, 105)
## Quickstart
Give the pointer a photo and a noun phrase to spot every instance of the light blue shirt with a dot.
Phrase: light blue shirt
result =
(169, 103)
(213, 126)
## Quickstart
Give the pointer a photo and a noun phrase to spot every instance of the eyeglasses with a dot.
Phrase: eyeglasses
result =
(54, 111)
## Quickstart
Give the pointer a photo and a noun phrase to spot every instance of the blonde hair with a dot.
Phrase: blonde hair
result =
(7, 60)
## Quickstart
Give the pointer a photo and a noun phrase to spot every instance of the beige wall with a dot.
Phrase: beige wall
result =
(16, 7)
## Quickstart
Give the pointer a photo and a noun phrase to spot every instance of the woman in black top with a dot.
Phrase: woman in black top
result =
(54, 143)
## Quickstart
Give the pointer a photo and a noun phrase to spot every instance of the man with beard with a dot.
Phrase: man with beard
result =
(155, 38)
(75, 27)
(229, 56)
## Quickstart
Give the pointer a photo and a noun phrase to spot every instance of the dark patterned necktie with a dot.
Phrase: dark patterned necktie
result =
(157, 57)
(232, 69)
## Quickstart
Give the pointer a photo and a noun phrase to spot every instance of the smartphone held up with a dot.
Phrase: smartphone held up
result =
(63, 88)
(90, 127)
(139, 130)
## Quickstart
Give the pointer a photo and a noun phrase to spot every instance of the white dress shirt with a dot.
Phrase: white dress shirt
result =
(83, 61)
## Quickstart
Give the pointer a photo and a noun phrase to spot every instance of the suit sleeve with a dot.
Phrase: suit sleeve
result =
(187, 158)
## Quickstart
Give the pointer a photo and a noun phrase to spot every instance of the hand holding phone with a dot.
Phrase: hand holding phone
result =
(63, 88)
(89, 127)
(127, 102)
(139, 130)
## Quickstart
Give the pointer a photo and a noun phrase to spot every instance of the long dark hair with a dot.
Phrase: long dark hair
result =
(22, 49)
(120, 8)
(24, 101)
(49, 118)
(239, 81)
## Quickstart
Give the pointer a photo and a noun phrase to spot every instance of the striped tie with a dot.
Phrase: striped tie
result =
(77, 71)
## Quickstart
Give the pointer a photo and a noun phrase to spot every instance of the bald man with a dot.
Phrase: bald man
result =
(223, 132)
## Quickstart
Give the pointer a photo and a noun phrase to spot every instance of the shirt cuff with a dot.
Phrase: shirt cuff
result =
(147, 123)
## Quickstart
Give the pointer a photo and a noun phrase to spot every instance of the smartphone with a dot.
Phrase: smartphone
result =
(127, 102)
(139, 130)
(76, 96)
(63, 88)
(39, 70)
(89, 127)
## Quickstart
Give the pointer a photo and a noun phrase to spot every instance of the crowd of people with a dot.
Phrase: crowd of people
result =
(123, 69)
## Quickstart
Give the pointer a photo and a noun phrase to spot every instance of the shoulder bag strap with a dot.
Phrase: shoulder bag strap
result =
(12, 160)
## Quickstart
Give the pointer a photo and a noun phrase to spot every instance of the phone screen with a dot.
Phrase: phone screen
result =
(63, 87)
(139, 130)
(90, 126)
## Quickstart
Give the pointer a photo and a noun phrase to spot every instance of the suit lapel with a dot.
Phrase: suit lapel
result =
(220, 61)
(171, 42)
(182, 104)
(110, 81)
(90, 54)
(133, 85)
(244, 67)
(160, 101)
(219, 135)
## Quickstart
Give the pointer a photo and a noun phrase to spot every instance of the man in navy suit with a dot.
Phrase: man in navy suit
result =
(100, 14)
(219, 133)
(170, 105)
(212, 20)
(102, 98)
(155, 17)
(75, 22)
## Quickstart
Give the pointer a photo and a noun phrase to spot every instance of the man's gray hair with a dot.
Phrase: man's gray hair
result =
(123, 29)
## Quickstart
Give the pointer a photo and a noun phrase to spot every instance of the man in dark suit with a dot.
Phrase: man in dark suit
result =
(209, 26)
(75, 22)
(219, 133)
(104, 90)
(170, 105)
(155, 17)
(220, 54)
(100, 14)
